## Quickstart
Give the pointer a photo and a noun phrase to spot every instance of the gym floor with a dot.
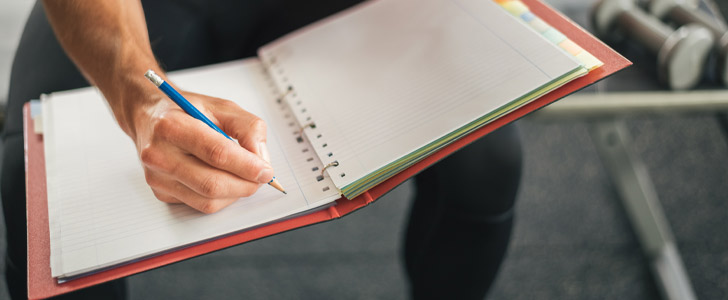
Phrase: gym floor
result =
(572, 238)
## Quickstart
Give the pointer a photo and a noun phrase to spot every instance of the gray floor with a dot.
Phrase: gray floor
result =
(572, 239)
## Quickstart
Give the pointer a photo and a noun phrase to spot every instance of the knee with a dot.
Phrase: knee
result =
(487, 177)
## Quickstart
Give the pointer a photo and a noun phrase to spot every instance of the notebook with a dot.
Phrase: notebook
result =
(350, 101)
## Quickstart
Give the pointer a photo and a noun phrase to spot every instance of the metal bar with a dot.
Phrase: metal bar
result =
(639, 198)
(609, 105)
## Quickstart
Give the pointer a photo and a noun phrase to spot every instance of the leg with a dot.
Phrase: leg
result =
(461, 220)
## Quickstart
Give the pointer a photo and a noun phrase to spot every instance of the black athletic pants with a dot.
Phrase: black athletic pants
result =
(460, 223)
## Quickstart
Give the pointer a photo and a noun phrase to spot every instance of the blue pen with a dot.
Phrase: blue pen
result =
(181, 101)
(192, 111)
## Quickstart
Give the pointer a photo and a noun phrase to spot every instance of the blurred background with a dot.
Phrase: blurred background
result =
(574, 237)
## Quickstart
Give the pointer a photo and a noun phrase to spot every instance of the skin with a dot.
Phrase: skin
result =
(184, 160)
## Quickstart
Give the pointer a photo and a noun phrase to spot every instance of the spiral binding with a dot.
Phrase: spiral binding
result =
(311, 125)
(296, 103)
(331, 164)
(288, 91)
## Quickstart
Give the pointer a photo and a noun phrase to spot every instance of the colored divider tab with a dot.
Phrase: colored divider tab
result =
(516, 8)
(590, 61)
(571, 47)
(520, 10)
(528, 16)
(554, 36)
(539, 25)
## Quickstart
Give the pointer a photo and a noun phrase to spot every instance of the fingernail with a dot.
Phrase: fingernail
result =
(265, 175)
(263, 151)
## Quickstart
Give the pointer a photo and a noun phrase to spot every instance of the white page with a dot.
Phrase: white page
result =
(103, 213)
(391, 76)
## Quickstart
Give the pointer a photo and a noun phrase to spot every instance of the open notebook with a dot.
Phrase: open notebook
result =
(350, 101)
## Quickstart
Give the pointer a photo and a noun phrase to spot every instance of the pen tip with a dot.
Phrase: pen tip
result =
(274, 183)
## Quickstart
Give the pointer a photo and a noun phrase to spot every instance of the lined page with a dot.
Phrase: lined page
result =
(101, 210)
(391, 76)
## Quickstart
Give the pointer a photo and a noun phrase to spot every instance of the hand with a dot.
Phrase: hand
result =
(185, 161)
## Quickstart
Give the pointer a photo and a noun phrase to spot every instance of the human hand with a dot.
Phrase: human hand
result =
(185, 161)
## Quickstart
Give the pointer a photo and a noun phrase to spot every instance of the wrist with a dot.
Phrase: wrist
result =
(131, 96)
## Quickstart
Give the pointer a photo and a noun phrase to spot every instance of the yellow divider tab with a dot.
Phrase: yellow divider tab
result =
(516, 8)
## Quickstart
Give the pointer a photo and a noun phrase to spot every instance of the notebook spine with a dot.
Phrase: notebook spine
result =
(295, 113)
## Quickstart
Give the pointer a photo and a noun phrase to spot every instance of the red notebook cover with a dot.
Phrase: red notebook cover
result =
(42, 285)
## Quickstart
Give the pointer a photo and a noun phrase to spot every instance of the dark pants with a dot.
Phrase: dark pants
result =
(459, 226)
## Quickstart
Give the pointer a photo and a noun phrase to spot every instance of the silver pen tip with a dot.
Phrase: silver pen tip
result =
(153, 77)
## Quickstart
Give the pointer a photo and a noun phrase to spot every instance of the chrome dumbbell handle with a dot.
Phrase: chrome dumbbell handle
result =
(682, 13)
(648, 30)
(680, 53)
(685, 13)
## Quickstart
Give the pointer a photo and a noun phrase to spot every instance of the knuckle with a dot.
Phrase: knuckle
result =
(165, 126)
(150, 179)
(218, 154)
(227, 104)
(150, 156)
(210, 207)
(258, 125)
(163, 197)
(212, 187)
(161, 124)
(153, 158)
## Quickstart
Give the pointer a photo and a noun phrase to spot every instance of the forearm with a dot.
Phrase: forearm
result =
(109, 43)
(184, 160)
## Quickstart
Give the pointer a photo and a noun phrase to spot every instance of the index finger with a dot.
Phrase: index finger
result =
(247, 128)
(198, 139)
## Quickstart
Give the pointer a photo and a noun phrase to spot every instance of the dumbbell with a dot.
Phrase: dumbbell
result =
(681, 53)
(682, 13)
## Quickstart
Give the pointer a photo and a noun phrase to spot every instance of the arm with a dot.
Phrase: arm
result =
(184, 160)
